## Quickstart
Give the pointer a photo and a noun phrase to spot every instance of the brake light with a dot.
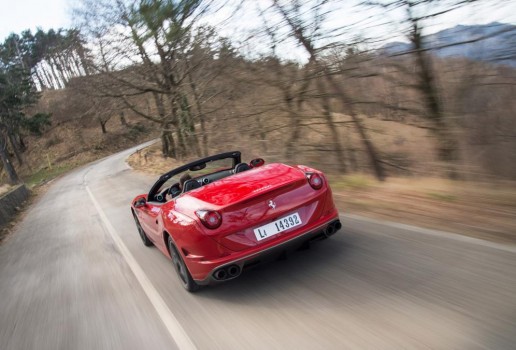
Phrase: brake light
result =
(209, 218)
(315, 180)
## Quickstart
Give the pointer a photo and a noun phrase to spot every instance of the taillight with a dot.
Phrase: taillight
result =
(315, 180)
(209, 218)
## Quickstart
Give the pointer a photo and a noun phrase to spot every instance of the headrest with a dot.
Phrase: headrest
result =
(191, 185)
(241, 167)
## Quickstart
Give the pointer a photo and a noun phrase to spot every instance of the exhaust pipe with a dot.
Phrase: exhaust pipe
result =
(329, 230)
(233, 271)
(220, 274)
(227, 272)
(332, 228)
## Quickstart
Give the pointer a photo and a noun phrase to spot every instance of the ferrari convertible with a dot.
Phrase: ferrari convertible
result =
(216, 217)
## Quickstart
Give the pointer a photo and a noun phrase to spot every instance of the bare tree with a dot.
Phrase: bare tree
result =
(299, 29)
(416, 14)
(149, 49)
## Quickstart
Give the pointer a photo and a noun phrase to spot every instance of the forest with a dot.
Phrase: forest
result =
(293, 85)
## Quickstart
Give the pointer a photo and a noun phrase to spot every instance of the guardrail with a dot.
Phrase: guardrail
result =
(11, 202)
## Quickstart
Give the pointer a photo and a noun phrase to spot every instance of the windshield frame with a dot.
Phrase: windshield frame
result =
(234, 155)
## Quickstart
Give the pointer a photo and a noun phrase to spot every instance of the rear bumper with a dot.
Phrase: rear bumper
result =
(247, 259)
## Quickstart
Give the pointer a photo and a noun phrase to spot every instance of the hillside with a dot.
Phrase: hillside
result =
(75, 138)
(493, 43)
(478, 209)
(250, 114)
(248, 105)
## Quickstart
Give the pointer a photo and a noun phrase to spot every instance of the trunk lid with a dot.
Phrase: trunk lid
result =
(253, 198)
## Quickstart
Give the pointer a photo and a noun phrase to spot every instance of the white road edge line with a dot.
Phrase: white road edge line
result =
(173, 326)
(437, 233)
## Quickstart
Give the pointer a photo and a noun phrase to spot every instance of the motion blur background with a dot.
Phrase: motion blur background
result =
(406, 105)
(387, 97)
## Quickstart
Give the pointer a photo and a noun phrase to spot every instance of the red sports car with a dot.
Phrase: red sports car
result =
(217, 216)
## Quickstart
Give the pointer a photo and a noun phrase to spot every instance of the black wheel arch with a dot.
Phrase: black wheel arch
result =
(166, 236)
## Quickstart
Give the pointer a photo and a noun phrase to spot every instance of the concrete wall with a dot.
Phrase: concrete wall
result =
(11, 202)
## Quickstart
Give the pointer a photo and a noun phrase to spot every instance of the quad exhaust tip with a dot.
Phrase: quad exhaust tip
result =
(332, 228)
(227, 272)
(232, 271)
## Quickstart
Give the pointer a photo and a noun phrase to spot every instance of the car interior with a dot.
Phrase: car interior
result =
(174, 190)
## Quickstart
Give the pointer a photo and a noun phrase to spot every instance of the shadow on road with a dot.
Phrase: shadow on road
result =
(323, 262)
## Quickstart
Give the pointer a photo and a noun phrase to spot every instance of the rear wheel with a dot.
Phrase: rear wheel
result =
(181, 269)
(146, 241)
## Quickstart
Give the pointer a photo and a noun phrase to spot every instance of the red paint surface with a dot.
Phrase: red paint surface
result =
(243, 202)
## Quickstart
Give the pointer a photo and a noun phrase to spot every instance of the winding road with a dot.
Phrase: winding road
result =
(75, 275)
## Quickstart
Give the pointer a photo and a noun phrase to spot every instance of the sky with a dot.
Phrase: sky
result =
(18, 15)
(355, 21)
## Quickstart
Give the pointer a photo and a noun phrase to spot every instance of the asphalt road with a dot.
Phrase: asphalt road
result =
(75, 275)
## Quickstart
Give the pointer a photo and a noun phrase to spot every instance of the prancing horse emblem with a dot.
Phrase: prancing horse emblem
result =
(272, 205)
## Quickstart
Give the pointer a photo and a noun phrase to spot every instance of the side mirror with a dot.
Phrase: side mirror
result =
(140, 203)
(255, 163)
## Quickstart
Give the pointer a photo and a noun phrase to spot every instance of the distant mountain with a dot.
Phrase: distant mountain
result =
(494, 43)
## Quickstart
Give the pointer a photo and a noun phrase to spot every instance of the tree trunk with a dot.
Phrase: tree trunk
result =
(167, 142)
(169, 148)
(447, 145)
(11, 172)
(295, 122)
(16, 148)
(49, 84)
(371, 151)
(262, 134)
(123, 121)
(82, 57)
(187, 124)
(295, 114)
(176, 122)
(298, 33)
(103, 125)
(69, 66)
(341, 159)
(53, 69)
(202, 117)
(204, 146)
(78, 66)
(21, 143)
(61, 69)
(38, 78)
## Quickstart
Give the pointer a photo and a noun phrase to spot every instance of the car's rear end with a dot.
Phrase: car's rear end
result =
(259, 213)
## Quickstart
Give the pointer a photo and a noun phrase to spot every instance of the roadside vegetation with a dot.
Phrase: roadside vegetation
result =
(480, 209)
(383, 124)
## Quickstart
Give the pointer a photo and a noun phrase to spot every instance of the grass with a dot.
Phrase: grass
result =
(46, 174)
(351, 182)
(445, 197)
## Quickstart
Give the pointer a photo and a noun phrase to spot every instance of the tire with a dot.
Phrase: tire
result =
(182, 271)
(146, 241)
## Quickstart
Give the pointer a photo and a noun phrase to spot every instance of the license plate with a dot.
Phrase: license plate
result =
(277, 226)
